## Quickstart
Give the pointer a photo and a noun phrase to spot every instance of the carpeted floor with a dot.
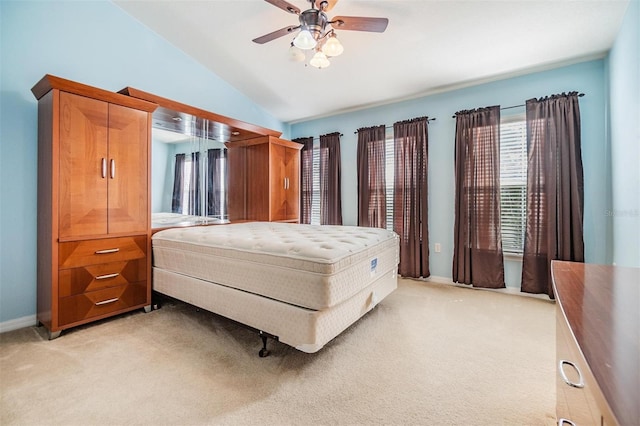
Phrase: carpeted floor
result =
(429, 354)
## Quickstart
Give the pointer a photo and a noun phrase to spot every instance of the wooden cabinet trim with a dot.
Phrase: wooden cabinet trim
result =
(246, 130)
(49, 82)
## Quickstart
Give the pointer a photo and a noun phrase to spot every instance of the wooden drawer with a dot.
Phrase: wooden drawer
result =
(95, 277)
(91, 252)
(575, 402)
(101, 302)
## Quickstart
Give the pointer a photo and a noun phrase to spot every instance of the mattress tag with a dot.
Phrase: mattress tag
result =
(374, 266)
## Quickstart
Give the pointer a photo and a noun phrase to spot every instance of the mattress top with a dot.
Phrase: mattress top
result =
(314, 248)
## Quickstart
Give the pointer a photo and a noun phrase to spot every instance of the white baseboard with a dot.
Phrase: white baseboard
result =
(508, 290)
(14, 324)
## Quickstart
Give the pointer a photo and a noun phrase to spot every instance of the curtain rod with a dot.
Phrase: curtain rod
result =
(391, 127)
(518, 106)
(318, 138)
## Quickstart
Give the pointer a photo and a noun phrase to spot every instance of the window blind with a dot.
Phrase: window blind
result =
(389, 175)
(315, 196)
(513, 183)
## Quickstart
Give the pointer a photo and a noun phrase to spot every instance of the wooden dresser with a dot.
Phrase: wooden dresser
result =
(598, 344)
(93, 203)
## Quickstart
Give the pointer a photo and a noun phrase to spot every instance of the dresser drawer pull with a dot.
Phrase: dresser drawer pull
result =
(563, 422)
(105, 302)
(580, 383)
(107, 251)
(107, 276)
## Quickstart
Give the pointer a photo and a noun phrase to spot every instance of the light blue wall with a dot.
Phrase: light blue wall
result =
(624, 115)
(587, 77)
(95, 43)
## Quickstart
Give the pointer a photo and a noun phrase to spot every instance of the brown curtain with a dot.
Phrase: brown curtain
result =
(306, 178)
(555, 189)
(217, 185)
(371, 177)
(477, 254)
(178, 184)
(330, 192)
(410, 207)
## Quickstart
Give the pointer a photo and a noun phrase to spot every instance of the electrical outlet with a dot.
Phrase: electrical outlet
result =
(437, 247)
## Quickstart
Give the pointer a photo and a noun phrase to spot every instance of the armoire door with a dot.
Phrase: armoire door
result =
(83, 166)
(285, 169)
(292, 171)
(128, 170)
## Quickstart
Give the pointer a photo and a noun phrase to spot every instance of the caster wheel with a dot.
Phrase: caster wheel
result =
(263, 353)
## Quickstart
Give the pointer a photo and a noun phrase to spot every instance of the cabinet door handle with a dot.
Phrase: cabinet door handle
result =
(113, 168)
(106, 302)
(563, 422)
(580, 383)
(104, 168)
(107, 251)
(107, 276)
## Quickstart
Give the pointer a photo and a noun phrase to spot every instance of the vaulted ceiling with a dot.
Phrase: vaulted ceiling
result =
(429, 46)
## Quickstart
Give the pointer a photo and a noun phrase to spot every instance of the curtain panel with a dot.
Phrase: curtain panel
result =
(555, 189)
(306, 178)
(371, 159)
(216, 183)
(195, 204)
(330, 192)
(477, 255)
(178, 184)
(410, 196)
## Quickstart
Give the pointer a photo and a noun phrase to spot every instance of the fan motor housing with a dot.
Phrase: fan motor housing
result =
(314, 21)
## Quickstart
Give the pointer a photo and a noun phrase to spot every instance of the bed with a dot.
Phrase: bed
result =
(300, 284)
(167, 220)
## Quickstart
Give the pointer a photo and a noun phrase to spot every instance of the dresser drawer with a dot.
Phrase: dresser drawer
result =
(101, 302)
(91, 252)
(575, 391)
(95, 277)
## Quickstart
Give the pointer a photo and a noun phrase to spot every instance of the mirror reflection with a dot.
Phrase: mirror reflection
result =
(189, 171)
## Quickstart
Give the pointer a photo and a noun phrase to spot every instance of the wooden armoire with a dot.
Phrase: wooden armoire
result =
(268, 169)
(94, 257)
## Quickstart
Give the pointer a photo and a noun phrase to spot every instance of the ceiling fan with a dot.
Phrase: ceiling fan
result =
(317, 31)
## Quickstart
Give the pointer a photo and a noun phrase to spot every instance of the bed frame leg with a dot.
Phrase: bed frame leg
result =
(263, 352)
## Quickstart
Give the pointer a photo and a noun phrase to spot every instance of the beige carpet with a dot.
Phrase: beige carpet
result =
(429, 354)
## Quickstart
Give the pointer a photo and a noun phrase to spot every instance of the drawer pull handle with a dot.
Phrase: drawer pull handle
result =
(104, 168)
(563, 422)
(105, 302)
(580, 383)
(114, 250)
(107, 276)
(113, 169)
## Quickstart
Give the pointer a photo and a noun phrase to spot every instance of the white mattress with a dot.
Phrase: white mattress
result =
(166, 220)
(310, 266)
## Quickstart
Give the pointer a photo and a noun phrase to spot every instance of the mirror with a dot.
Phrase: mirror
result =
(192, 141)
(189, 170)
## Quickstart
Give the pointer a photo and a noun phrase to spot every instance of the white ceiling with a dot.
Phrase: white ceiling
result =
(429, 46)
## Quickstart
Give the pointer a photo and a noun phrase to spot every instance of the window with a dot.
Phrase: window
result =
(188, 186)
(513, 182)
(315, 195)
(389, 175)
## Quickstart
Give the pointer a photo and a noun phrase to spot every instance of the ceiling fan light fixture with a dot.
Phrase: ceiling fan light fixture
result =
(295, 54)
(304, 40)
(332, 47)
(319, 60)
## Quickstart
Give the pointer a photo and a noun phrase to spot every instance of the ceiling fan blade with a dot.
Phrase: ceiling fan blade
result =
(274, 35)
(329, 4)
(359, 23)
(284, 5)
